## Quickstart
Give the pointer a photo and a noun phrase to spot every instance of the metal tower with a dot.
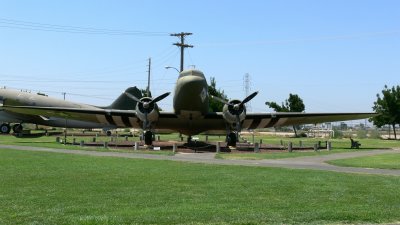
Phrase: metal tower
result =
(247, 89)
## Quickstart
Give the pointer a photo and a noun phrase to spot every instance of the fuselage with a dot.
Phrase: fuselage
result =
(190, 104)
(15, 97)
(191, 95)
(12, 117)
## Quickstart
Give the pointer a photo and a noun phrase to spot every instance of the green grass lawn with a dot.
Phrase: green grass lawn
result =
(343, 143)
(384, 161)
(338, 146)
(53, 188)
(50, 142)
(277, 155)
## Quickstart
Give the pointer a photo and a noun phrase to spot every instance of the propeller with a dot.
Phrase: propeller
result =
(220, 99)
(147, 104)
(159, 98)
(236, 108)
(248, 98)
(132, 97)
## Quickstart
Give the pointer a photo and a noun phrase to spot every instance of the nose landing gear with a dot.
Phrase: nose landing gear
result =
(148, 137)
(231, 139)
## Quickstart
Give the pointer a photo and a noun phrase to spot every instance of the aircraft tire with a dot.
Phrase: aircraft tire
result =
(231, 139)
(148, 138)
(5, 128)
(17, 128)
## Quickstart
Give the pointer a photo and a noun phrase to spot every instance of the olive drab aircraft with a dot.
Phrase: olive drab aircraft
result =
(16, 119)
(190, 115)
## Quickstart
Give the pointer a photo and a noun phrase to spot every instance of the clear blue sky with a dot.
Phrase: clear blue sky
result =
(336, 55)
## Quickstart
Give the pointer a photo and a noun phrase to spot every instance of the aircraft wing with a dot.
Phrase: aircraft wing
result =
(93, 114)
(279, 119)
(169, 121)
(214, 122)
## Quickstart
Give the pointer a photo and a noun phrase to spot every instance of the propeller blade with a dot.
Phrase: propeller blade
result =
(133, 97)
(159, 98)
(248, 98)
(219, 99)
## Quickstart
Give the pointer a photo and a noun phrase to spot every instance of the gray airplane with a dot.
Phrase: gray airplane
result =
(16, 97)
(190, 116)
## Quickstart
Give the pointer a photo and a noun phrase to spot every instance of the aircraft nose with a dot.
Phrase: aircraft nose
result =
(191, 94)
(195, 86)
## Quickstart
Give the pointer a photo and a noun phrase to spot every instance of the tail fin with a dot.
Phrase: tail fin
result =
(123, 102)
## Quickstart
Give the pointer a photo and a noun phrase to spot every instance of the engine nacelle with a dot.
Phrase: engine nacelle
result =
(150, 109)
(231, 112)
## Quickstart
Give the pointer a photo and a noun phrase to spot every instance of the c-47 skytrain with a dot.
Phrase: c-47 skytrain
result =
(190, 114)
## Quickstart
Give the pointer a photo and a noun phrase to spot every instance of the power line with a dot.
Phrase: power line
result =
(161, 62)
(303, 40)
(25, 25)
(97, 73)
(33, 80)
(190, 58)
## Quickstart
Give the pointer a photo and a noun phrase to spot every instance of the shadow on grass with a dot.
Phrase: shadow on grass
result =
(36, 135)
(368, 148)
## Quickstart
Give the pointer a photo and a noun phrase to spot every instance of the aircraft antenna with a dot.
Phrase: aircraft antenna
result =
(247, 89)
(182, 45)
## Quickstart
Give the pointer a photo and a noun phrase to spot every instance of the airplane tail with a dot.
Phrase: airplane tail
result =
(123, 102)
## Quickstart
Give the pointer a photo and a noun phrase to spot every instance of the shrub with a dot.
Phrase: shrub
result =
(337, 133)
(374, 134)
(361, 134)
(302, 134)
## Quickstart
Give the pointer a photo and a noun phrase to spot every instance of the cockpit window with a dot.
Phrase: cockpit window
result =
(191, 73)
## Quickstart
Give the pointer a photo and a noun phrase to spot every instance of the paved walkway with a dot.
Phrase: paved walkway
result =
(310, 162)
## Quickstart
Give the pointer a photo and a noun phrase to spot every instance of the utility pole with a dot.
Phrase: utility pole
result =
(65, 130)
(148, 79)
(182, 45)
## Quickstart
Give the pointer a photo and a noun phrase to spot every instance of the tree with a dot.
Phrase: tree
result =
(293, 104)
(215, 106)
(388, 107)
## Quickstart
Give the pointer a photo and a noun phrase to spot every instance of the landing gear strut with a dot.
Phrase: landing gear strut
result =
(231, 139)
(148, 137)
